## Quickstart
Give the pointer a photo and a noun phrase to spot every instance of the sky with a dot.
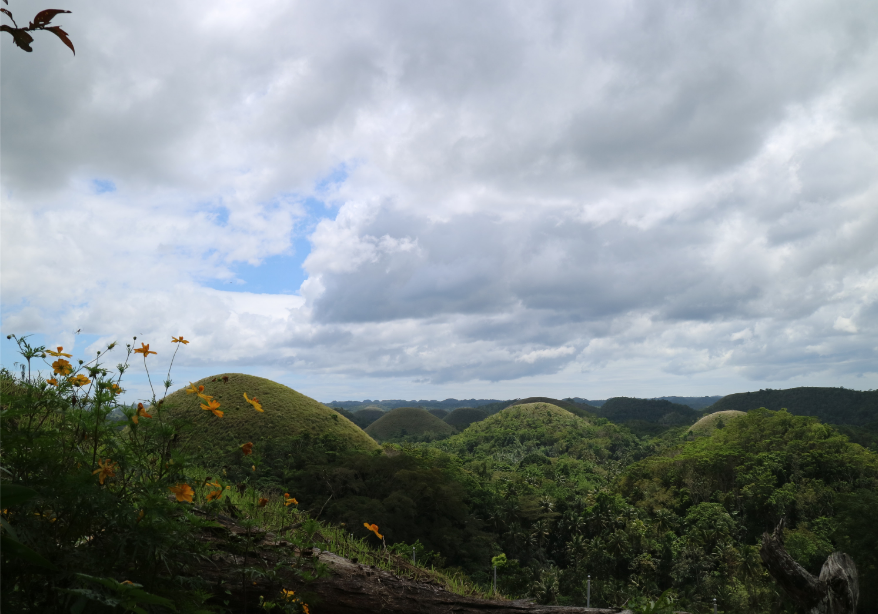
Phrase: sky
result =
(400, 200)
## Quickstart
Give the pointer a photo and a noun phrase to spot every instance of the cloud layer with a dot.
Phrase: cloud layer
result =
(508, 196)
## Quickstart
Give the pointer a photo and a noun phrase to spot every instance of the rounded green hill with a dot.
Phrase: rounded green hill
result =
(708, 423)
(541, 428)
(286, 413)
(407, 421)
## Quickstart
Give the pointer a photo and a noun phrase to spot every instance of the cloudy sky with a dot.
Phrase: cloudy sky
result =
(451, 199)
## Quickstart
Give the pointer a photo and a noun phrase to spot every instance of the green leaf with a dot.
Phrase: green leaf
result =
(16, 550)
(13, 494)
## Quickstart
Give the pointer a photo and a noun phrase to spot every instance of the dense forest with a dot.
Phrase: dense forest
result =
(100, 497)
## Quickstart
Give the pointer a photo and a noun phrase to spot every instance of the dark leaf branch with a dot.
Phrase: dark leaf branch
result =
(21, 36)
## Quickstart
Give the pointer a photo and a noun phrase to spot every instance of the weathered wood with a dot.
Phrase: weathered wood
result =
(835, 591)
(350, 588)
(354, 588)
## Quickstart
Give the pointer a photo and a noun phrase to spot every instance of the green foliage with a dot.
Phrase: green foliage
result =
(664, 604)
(82, 494)
(831, 405)
(408, 422)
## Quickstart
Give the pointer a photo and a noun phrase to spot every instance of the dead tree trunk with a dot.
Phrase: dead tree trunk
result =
(835, 591)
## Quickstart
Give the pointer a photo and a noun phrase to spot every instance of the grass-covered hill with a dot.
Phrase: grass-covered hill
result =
(286, 414)
(462, 417)
(439, 412)
(580, 409)
(407, 422)
(540, 428)
(832, 405)
(707, 424)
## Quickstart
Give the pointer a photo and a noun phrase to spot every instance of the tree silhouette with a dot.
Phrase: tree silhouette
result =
(21, 36)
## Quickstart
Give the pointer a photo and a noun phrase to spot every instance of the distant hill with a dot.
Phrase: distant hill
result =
(696, 403)
(388, 404)
(623, 409)
(286, 413)
(580, 409)
(439, 412)
(462, 417)
(719, 419)
(831, 405)
(545, 429)
(405, 422)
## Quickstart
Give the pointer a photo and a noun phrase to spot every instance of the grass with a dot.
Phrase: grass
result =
(406, 421)
(708, 423)
(287, 413)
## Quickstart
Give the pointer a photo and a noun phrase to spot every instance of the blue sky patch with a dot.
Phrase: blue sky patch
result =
(103, 186)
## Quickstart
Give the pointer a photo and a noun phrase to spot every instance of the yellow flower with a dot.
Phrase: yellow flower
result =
(287, 595)
(52, 381)
(144, 349)
(193, 389)
(247, 448)
(263, 502)
(115, 389)
(141, 411)
(305, 607)
(106, 468)
(254, 402)
(214, 494)
(253, 467)
(80, 380)
(62, 367)
(183, 492)
(214, 407)
(140, 516)
(374, 529)
(288, 500)
(204, 397)
(180, 340)
(59, 353)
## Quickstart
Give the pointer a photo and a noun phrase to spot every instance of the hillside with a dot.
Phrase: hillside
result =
(832, 405)
(462, 417)
(286, 414)
(439, 413)
(407, 422)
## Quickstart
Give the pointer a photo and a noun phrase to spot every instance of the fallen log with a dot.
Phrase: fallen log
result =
(835, 591)
(349, 588)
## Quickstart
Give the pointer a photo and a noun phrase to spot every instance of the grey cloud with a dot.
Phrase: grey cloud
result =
(633, 181)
